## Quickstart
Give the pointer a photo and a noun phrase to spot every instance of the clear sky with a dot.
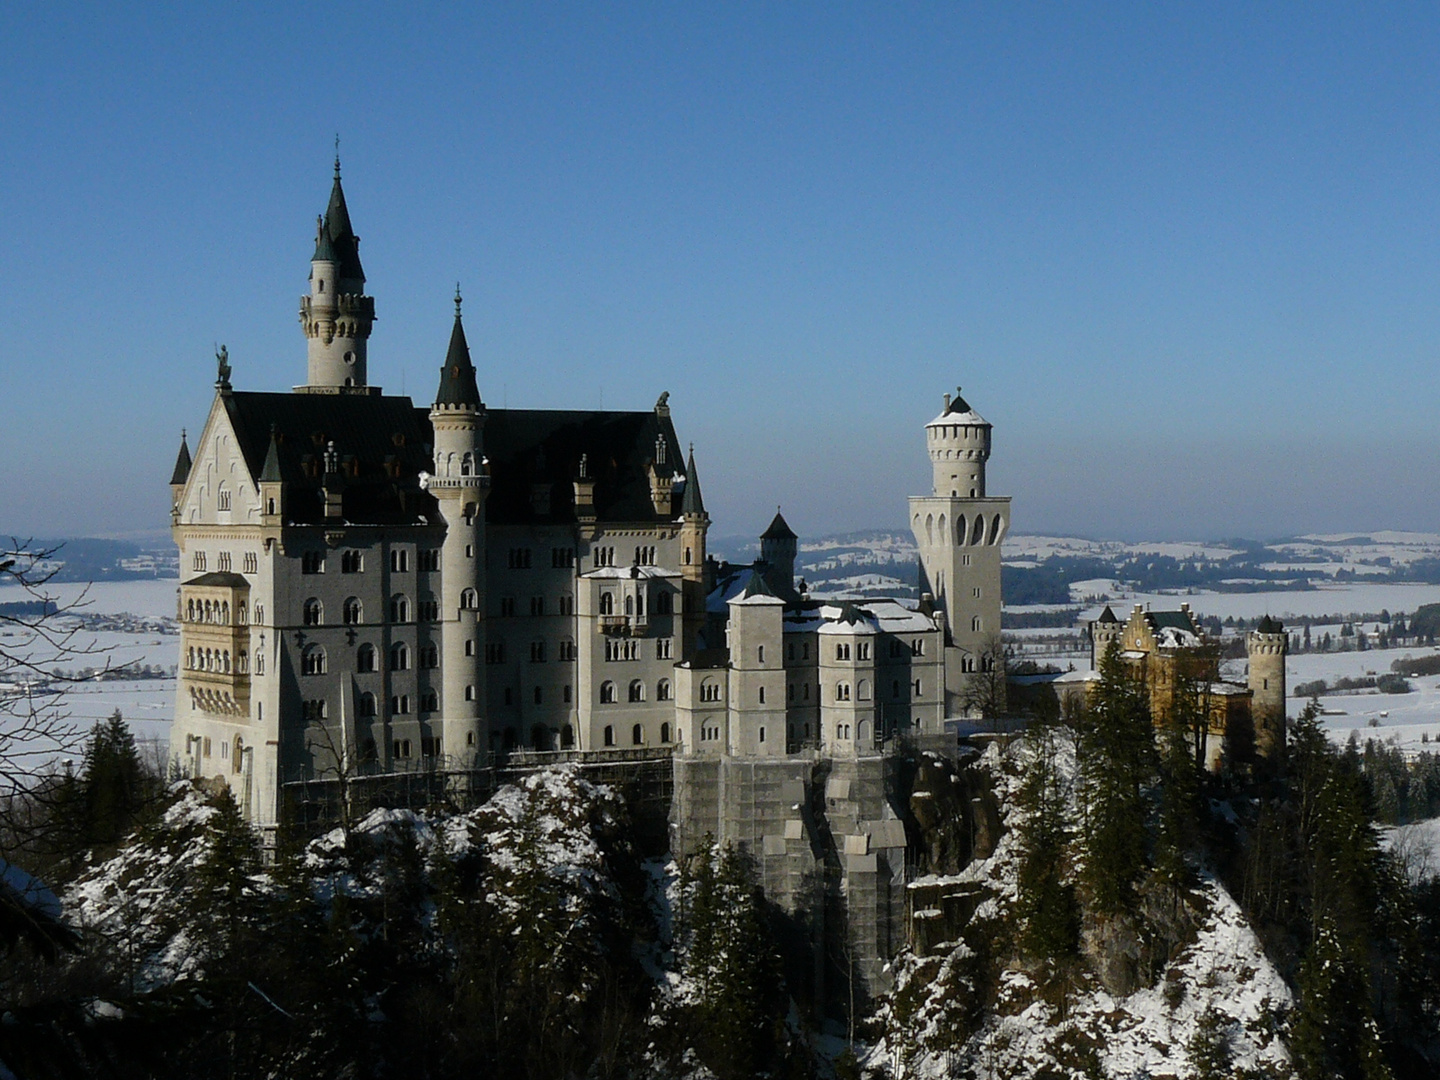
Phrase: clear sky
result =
(1182, 256)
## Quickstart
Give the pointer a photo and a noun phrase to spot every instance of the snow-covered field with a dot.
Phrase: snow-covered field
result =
(146, 704)
(1288, 606)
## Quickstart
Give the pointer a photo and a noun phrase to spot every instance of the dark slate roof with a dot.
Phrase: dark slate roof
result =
(457, 377)
(756, 586)
(221, 578)
(1180, 620)
(345, 244)
(324, 249)
(702, 659)
(1270, 626)
(529, 447)
(692, 502)
(384, 443)
(182, 463)
(270, 472)
(778, 530)
(1107, 616)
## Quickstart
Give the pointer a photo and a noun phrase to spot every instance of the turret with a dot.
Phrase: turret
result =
(1267, 646)
(694, 525)
(460, 485)
(1104, 631)
(757, 672)
(336, 315)
(179, 477)
(272, 488)
(778, 545)
(959, 444)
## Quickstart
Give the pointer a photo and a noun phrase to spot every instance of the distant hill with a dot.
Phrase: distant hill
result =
(92, 559)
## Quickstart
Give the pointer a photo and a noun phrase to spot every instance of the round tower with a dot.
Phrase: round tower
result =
(1104, 632)
(694, 527)
(460, 485)
(778, 547)
(1267, 646)
(336, 315)
(959, 444)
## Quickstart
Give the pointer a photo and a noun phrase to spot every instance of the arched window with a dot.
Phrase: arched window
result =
(314, 612)
(540, 737)
(975, 624)
(469, 601)
(240, 613)
(226, 662)
(862, 690)
(399, 609)
(539, 696)
(863, 732)
(664, 602)
(190, 610)
(607, 695)
(709, 690)
(365, 658)
(242, 662)
(995, 526)
(662, 691)
(665, 732)
(977, 535)
(609, 735)
(352, 614)
(225, 613)
(259, 614)
(929, 528)
(312, 660)
(238, 761)
(842, 691)
(607, 603)
(637, 690)
(399, 657)
(429, 701)
(629, 605)
(467, 463)
(367, 704)
(637, 735)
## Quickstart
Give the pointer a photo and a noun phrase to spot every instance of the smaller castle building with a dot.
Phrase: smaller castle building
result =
(1172, 657)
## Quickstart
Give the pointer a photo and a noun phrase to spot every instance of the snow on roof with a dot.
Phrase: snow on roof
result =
(622, 572)
(1173, 637)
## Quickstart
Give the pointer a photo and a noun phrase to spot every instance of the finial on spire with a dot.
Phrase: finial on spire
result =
(457, 299)
(337, 155)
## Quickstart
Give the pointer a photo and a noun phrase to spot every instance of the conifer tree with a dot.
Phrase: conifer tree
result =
(1048, 912)
(1116, 751)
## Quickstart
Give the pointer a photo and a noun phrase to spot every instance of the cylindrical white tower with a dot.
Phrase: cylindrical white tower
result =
(336, 315)
(460, 485)
(1267, 646)
(959, 444)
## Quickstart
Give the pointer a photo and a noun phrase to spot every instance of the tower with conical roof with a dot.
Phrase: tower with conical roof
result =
(336, 315)
(778, 547)
(958, 529)
(694, 525)
(1266, 646)
(460, 485)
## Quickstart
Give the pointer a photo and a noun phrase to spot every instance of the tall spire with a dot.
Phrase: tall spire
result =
(692, 503)
(336, 315)
(457, 377)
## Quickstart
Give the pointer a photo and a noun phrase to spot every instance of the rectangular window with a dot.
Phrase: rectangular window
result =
(401, 748)
(567, 650)
(197, 561)
(469, 551)
(507, 607)
(562, 558)
(567, 605)
(400, 704)
(537, 652)
(520, 558)
(251, 564)
(429, 610)
(222, 562)
(862, 650)
(314, 710)
(399, 561)
(663, 648)
(222, 499)
(470, 647)
(430, 656)
(842, 651)
(537, 605)
(428, 558)
(494, 652)
(604, 556)
(469, 693)
(917, 647)
(312, 562)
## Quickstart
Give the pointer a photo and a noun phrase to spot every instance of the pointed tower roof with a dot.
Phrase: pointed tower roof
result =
(692, 502)
(756, 591)
(344, 244)
(270, 471)
(778, 530)
(1107, 616)
(182, 462)
(324, 249)
(457, 377)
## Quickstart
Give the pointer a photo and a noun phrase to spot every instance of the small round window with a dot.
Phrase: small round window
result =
(349, 357)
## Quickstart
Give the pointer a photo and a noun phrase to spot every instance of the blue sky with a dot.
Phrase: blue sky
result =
(1182, 256)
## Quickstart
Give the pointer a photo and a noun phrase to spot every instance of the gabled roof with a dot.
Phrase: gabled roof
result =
(692, 503)
(757, 591)
(1178, 620)
(457, 377)
(182, 463)
(220, 579)
(778, 530)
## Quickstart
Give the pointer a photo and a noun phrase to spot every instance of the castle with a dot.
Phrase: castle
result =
(373, 587)
(1170, 655)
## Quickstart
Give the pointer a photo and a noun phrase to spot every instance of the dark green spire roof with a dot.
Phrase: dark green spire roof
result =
(182, 463)
(692, 502)
(336, 231)
(324, 249)
(457, 377)
(778, 530)
(270, 471)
